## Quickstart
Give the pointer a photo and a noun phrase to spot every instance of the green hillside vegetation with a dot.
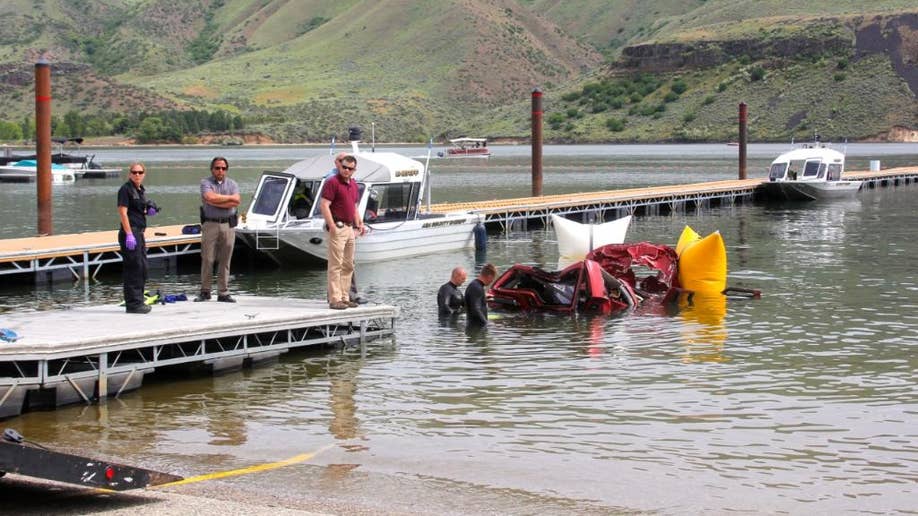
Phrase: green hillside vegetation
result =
(611, 70)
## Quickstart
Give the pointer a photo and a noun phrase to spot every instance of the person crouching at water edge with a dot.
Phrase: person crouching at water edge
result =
(133, 209)
(476, 304)
(343, 223)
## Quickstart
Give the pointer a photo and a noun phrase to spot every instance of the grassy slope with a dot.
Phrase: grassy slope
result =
(419, 60)
(428, 67)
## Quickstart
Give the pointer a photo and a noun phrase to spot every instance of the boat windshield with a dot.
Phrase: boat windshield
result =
(270, 195)
(811, 169)
(777, 171)
(302, 204)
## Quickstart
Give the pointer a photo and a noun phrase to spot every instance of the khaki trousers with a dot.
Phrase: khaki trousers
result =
(341, 248)
(217, 241)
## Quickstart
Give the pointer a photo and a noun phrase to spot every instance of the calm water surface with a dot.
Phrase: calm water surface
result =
(804, 401)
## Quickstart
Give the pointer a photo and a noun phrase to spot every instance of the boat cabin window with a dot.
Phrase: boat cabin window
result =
(270, 195)
(835, 170)
(777, 171)
(302, 204)
(795, 169)
(391, 202)
(822, 171)
(811, 169)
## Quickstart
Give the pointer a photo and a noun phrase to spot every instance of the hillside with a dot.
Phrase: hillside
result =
(846, 77)
(300, 70)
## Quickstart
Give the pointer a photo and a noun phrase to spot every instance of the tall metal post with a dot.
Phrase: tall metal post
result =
(43, 144)
(743, 121)
(536, 142)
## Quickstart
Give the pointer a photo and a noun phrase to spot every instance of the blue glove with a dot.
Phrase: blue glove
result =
(130, 242)
(151, 211)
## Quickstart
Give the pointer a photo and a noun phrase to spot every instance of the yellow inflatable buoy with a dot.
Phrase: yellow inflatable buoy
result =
(702, 262)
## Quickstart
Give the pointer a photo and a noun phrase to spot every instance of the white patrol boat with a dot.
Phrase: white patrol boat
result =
(284, 220)
(809, 173)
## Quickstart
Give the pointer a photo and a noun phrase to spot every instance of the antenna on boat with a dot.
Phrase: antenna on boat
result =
(845, 147)
(427, 171)
(331, 151)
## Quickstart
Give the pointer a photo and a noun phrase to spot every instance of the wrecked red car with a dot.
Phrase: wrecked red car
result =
(613, 278)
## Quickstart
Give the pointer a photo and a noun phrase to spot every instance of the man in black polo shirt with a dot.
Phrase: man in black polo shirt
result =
(219, 199)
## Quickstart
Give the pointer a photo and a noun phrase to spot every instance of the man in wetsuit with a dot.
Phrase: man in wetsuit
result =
(475, 303)
(449, 298)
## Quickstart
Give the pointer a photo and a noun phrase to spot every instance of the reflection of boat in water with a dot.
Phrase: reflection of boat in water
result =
(26, 171)
(82, 166)
(809, 173)
(468, 148)
(284, 220)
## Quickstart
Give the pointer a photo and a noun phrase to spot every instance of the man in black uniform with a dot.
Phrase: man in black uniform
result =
(449, 298)
(475, 302)
(133, 210)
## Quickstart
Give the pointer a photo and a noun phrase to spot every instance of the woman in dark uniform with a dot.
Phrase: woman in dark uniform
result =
(133, 211)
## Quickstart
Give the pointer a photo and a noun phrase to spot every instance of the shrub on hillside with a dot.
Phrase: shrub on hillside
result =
(616, 125)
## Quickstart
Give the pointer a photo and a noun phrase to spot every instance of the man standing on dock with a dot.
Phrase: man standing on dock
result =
(343, 223)
(219, 199)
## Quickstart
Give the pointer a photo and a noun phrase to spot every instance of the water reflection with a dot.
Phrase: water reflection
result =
(704, 332)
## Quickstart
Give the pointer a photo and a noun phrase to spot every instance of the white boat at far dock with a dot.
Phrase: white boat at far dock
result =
(26, 171)
(285, 223)
(809, 173)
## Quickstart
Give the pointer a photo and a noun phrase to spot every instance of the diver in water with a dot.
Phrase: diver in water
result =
(476, 304)
(449, 298)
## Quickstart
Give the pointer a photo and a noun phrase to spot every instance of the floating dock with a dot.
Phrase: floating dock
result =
(84, 254)
(87, 353)
(595, 207)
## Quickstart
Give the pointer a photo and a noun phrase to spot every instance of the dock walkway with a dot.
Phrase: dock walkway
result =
(80, 354)
(84, 254)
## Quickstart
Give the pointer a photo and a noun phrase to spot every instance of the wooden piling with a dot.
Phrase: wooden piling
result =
(743, 121)
(536, 142)
(43, 145)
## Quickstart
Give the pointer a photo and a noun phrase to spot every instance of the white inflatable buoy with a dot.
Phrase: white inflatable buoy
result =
(575, 240)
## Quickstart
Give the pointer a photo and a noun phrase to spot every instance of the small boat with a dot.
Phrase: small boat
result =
(83, 166)
(284, 222)
(26, 171)
(808, 173)
(468, 148)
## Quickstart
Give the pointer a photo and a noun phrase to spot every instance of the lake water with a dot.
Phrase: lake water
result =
(803, 401)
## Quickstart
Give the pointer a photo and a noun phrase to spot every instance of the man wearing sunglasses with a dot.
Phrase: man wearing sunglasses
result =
(342, 220)
(219, 199)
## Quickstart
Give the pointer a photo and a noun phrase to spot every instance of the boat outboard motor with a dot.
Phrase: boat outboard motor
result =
(354, 133)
